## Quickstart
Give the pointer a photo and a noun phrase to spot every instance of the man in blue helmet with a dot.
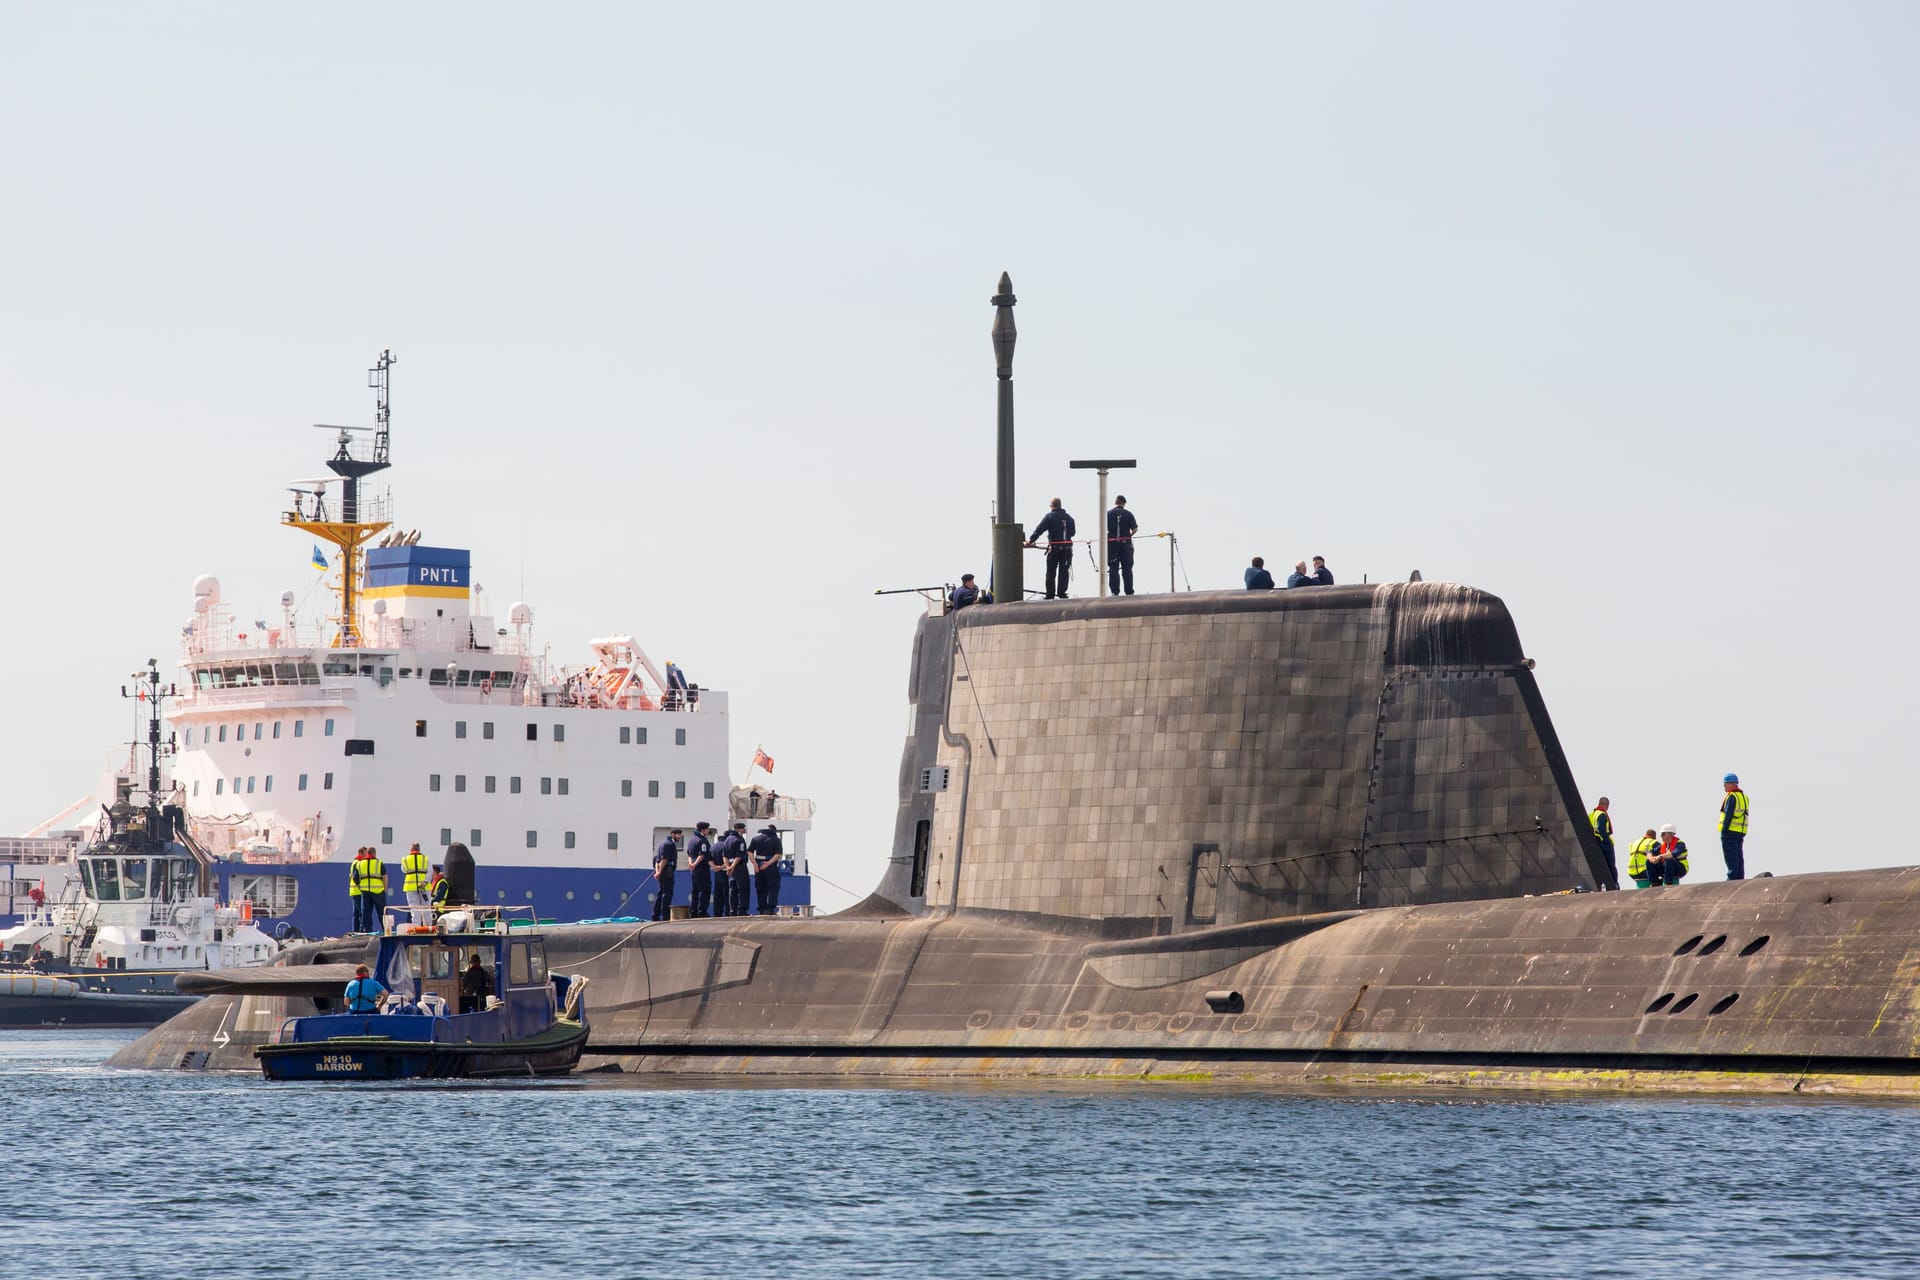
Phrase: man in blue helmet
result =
(1733, 827)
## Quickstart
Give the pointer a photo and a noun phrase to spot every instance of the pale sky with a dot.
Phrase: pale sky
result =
(1609, 310)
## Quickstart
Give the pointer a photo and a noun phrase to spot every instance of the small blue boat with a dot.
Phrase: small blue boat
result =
(439, 1020)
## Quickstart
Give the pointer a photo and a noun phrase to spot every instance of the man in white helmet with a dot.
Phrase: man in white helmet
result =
(1668, 862)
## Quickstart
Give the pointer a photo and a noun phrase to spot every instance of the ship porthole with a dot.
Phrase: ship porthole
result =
(596, 895)
(503, 895)
(529, 895)
(569, 895)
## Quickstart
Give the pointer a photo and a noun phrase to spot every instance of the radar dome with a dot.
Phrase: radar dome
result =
(520, 613)
(206, 592)
(380, 608)
(286, 599)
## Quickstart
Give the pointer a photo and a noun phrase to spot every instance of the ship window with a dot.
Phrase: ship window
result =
(486, 730)
(459, 782)
(513, 786)
(436, 677)
(679, 737)
(299, 728)
(613, 839)
(503, 679)
(433, 782)
(473, 837)
(640, 736)
(276, 729)
(626, 786)
(259, 730)
(406, 673)
(709, 791)
(679, 791)
(249, 786)
(219, 786)
(569, 840)
(107, 872)
(546, 786)
(517, 966)
(537, 961)
(187, 740)
(234, 676)
(533, 839)
(459, 728)
(419, 728)
(385, 677)
(359, 746)
(626, 735)
(489, 784)
(462, 678)
(563, 786)
(223, 733)
(386, 835)
(533, 733)
(559, 733)
(196, 786)
(86, 876)
(336, 667)
(133, 878)
(328, 729)
(326, 782)
(653, 790)
(303, 782)
(309, 673)
(236, 785)
(269, 785)
(446, 836)
(286, 673)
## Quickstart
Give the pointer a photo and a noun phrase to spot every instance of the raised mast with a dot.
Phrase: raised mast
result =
(350, 532)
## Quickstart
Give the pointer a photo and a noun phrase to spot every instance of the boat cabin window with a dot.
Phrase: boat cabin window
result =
(519, 968)
(309, 673)
(537, 961)
(86, 877)
(439, 963)
(133, 879)
(336, 667)
(286, 673)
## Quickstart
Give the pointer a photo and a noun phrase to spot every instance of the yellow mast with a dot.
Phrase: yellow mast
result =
(350, 533)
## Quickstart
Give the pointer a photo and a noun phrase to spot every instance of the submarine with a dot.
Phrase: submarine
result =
(1317, 837)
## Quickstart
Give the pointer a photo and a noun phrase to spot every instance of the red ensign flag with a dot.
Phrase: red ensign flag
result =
(763, 760)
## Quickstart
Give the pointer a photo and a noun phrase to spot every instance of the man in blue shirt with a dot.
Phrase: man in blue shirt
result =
(1258, 579)
(767, 852)
(699, 872)
(733, 848)
(1321, 575)
(1057, 526)
(967, 593)
(364, 992)
(666, 860)
(1121, 526)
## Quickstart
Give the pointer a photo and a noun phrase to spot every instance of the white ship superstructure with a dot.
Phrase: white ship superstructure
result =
(411, 715)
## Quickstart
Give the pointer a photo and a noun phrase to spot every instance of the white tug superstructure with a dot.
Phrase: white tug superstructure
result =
(410, 715)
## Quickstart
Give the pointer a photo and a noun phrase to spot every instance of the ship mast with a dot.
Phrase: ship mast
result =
(350, 533)
(151, 694)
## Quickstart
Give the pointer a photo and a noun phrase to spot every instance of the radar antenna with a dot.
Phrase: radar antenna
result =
(351, 532)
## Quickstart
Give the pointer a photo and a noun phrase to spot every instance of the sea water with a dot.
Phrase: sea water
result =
(125, 1175)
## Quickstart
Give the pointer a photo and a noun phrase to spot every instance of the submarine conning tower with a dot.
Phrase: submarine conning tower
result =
(1156, 764)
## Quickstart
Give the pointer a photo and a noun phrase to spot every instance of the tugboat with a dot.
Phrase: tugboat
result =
(468, 996)
(141, 911)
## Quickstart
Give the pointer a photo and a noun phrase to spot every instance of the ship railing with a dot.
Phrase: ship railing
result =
(770, 805)
(480, 917)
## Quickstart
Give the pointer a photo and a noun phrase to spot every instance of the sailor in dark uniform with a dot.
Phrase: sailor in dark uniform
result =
(738, 873)
(1057, 526)
(1121, 526)
(699, 872)
(767, 852)
(666, 859)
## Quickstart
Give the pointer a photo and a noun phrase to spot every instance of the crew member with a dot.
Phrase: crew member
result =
(767, 852)
(967, 593)
(666, 859)
(1321, 575)
(738, 872)
(1637, 859)
(364, 992)
(1667, 863)
(439, 889)
(1733, 827)
(699, 872)
(415, 875)
(1058, 527)
(1257, 577)
(367, 886)
(1603, 832)
(476, 984)
(1121, 526)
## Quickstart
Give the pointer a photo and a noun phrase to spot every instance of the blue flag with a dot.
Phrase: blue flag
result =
(319, 561)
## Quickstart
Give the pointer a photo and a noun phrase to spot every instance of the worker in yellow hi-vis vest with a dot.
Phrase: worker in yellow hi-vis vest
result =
(416, 875)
